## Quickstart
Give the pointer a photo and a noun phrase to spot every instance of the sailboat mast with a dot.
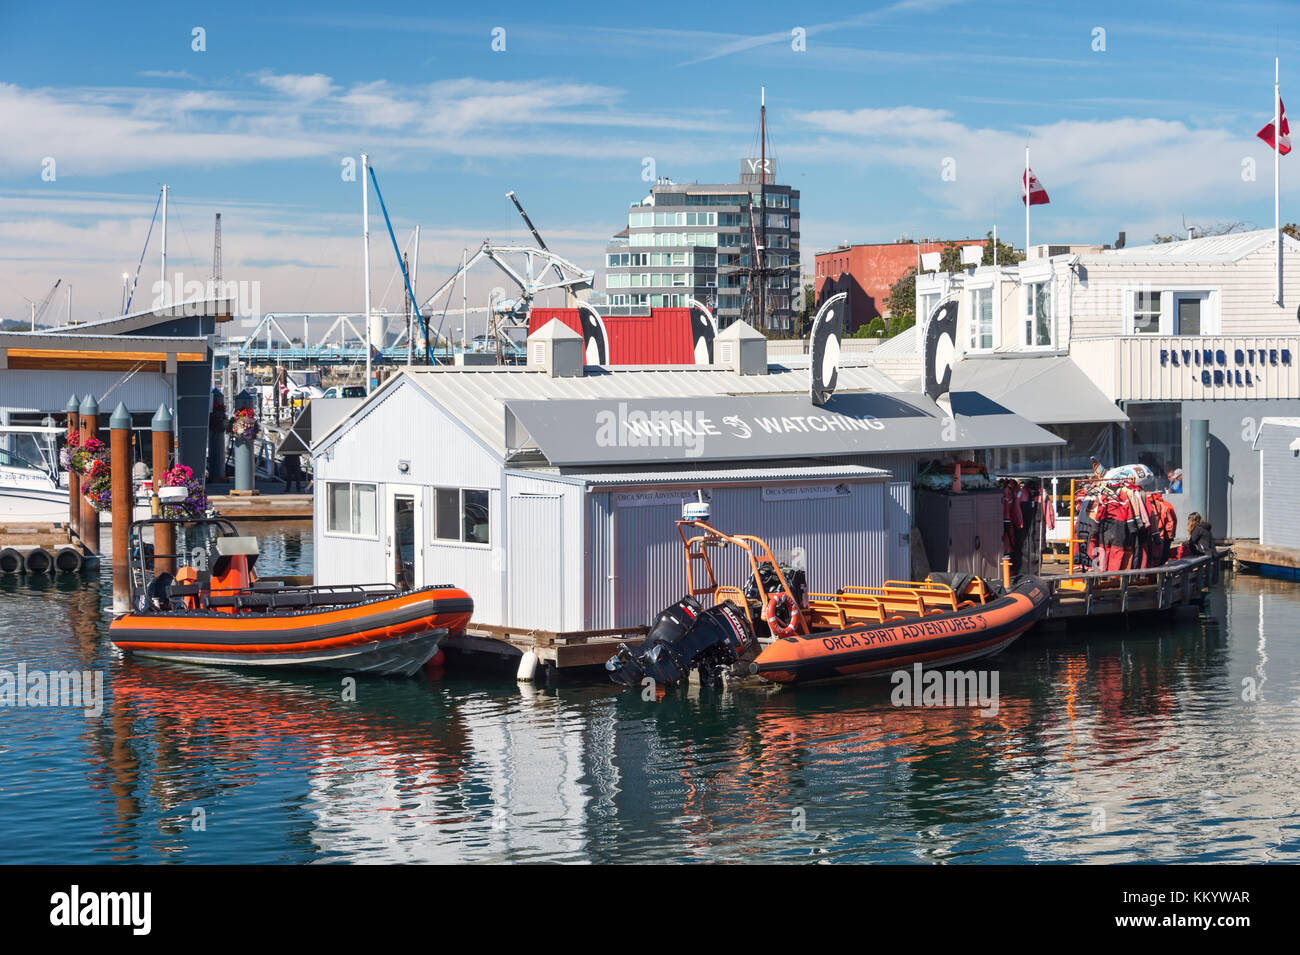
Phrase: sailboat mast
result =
(761, 251)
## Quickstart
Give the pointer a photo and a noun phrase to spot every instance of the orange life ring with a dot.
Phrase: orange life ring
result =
(774, 622)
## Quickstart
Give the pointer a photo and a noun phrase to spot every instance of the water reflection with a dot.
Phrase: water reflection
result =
(1173, 740)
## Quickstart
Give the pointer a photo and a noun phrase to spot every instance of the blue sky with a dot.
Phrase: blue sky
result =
(1152, 130)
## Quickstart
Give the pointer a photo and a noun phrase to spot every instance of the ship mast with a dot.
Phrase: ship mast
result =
(761, 251)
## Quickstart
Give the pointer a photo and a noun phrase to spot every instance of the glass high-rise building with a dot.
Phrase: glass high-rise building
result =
(685, 241)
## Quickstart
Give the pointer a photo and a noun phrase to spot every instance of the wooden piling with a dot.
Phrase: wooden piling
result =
(164, 535)
(74, 479)
(88, 529)
(122, 503)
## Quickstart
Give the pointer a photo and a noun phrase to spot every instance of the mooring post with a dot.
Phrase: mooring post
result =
(88, 416)
(122, 502)
(74, 479)
(164, 535)
(1198, 467)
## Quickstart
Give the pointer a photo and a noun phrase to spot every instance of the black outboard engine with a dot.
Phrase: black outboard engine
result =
(684, 637)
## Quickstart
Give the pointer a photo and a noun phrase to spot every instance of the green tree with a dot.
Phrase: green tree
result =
(901, 300)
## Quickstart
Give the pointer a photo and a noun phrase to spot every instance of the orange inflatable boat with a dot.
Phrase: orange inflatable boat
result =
(215, 609)
(773, 628)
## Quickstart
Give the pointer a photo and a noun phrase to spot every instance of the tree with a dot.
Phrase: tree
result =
(1200, 231)
(901, 300)
(1292, 230)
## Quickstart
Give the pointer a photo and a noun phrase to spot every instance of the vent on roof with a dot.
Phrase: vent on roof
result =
(741, 349)
(556, 349)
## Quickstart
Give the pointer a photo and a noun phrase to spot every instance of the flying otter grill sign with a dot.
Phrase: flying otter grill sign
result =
(592, 431)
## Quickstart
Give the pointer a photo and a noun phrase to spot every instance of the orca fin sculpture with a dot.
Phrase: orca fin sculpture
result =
(824, 348)
(704, 329)
(595, 340)
(939, 352)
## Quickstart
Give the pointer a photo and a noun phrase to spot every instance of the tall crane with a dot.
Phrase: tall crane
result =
(38, 310)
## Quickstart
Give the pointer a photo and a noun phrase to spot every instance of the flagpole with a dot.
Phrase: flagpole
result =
(1027, 198)
(1277, 142)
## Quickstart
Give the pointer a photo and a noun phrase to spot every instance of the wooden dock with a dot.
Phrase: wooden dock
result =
(273, 506)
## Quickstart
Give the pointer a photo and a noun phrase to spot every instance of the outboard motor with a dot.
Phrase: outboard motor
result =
(684, 637)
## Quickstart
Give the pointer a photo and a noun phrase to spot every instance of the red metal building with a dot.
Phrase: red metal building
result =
(662, 337)
(866, 272)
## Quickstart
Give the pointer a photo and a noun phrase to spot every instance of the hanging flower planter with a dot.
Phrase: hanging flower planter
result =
(244, 426)
(90, 460)
(196, 501)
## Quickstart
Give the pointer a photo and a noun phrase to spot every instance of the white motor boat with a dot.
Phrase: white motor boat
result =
(32, 488)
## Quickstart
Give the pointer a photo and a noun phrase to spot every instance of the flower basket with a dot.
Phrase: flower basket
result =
(85, 454)
(195, 504)
(244, 426)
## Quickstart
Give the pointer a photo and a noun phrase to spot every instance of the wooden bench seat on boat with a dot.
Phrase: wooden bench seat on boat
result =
(895, 600)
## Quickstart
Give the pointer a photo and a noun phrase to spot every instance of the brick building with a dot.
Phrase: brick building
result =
(866, 272)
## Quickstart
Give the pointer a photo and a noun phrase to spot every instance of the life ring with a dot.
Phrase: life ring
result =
(774, 623)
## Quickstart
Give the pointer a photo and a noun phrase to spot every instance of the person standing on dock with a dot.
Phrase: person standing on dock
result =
(293, 474)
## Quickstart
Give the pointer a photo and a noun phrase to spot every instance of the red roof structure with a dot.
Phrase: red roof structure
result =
(662, 337)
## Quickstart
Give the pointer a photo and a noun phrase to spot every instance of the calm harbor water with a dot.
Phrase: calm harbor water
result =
(1124, 745)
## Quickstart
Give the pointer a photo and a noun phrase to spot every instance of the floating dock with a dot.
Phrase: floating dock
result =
(1094, 596)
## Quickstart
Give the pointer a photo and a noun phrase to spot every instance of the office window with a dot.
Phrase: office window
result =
(352, 508)
(461, 514)
(1146, 313)
(981, 318)
(1040, 322)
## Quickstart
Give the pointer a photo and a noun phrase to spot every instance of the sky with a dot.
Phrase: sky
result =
(905, 118)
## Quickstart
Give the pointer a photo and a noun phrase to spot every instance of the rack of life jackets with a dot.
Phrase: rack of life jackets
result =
(1116, 525)
(1027, 516)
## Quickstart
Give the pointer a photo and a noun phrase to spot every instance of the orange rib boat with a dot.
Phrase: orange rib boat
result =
(772, 628)
(933, 636)
(216, 610)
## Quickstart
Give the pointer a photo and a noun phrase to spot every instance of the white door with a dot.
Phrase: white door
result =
(404, 535)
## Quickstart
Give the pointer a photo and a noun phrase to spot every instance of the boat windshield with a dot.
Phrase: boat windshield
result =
(26, 450)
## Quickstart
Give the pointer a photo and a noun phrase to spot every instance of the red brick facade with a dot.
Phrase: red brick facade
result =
(866, 272)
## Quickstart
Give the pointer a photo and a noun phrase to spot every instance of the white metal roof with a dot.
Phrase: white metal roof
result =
(906, 344)
(476, 395)
(1277, 422)
(1210, 248)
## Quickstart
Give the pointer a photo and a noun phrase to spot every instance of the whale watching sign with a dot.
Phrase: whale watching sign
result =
(585, 431)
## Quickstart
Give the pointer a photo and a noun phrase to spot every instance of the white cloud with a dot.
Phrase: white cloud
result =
(298, 86)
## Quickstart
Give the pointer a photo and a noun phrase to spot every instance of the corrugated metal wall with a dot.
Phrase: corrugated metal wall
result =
(536, 555)
(846, 541)
(406, 426)
(48, 391)
(1279, 487)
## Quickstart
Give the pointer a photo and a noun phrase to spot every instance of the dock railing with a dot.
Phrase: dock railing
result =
(1149, 588)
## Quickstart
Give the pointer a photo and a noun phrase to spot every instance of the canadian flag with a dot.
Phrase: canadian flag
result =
(1266, 134)
(1037, 195)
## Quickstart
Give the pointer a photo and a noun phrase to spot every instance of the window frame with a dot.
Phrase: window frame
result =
(972, 290)
(352, 501)
(1029, 317)
(434, 537)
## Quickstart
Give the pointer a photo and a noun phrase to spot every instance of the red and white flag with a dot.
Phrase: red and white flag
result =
(1266, 134)
(1036, 193)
